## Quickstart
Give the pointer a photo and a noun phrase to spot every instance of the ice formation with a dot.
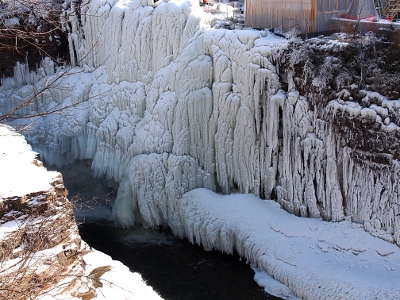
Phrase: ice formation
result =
(214, 98)
(176, 93)
(175, 105)
(313, 258)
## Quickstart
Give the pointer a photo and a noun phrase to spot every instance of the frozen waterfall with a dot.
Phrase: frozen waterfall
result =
(175, 105)
(174, 92)
(201, 107)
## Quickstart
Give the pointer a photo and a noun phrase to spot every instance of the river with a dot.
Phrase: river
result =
(174, 268)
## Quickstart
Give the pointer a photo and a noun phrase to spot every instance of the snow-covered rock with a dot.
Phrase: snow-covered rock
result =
(42, 254)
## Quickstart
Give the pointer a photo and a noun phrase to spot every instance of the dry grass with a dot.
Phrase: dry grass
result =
(38, 254)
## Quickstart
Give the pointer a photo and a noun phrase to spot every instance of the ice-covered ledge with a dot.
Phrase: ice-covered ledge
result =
(42, 255)
(314, 258)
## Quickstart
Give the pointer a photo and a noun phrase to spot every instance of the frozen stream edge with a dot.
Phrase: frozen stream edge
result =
(314, 258)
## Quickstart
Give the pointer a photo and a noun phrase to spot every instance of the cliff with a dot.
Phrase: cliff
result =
(42, 254)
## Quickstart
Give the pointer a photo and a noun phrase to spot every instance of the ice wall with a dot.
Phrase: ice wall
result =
(175, 105)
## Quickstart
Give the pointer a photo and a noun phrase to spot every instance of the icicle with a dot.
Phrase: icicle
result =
(175, 106)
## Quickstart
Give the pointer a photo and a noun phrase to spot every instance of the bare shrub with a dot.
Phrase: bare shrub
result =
(40, 245)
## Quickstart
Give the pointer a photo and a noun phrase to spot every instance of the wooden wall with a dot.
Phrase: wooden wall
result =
(306, 15)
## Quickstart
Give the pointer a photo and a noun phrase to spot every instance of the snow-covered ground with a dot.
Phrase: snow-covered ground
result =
(16, 155)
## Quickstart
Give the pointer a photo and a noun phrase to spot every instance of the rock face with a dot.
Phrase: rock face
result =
(351, 84)
(42, 255)
(40, 243)
(30, 29)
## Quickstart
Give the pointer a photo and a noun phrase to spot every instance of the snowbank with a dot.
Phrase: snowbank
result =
(314, 258)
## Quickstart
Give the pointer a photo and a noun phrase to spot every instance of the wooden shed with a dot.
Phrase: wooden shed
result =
(305, 15)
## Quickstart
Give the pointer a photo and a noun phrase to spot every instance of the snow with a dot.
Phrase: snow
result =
(164, 104)
(16, 155)
(314, 258)
(272, 286)
(119, 282)
(22, 174)
(8, 227)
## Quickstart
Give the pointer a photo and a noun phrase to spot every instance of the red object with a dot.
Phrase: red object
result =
(389, 18)
(370, 18)
(206, 2)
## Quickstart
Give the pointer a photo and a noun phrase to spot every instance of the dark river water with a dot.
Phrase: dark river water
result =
(174, 268)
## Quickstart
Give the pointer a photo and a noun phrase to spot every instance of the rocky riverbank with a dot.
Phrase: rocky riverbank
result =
(42, 255)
